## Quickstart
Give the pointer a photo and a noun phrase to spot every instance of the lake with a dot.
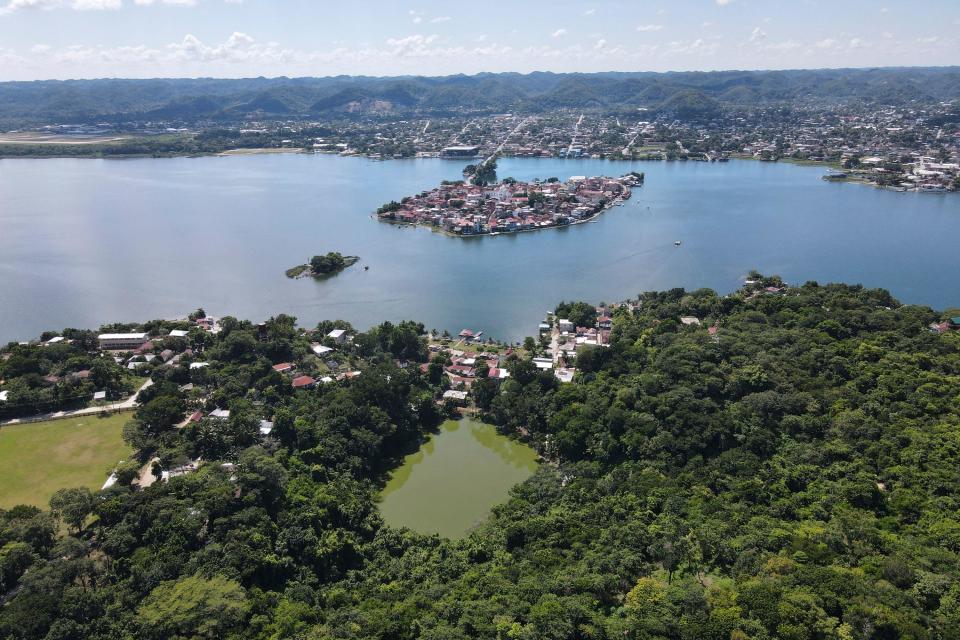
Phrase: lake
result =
(85, 242)
(452, 482)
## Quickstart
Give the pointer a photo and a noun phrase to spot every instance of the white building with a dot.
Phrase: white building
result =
(121, 341)
(338, 335)
(543, 363)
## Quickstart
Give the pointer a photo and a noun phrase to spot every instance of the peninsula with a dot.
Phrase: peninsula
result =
(510, 206)
(323, 266)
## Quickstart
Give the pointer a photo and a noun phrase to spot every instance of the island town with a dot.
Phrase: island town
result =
(509, 206)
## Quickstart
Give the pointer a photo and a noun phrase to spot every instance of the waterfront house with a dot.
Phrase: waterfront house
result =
(121, 341)
(338, 335)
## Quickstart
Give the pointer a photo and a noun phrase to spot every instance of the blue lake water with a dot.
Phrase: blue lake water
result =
(83, 242)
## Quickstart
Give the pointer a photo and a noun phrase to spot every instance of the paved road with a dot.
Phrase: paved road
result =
(126, 405)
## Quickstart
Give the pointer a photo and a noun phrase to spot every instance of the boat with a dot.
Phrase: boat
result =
(676, 243)
(366, 268)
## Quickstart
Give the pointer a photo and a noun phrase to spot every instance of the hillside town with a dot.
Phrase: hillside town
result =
(509, 206)
(914, 147)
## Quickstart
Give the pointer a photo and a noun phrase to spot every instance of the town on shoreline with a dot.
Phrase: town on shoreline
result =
(510, 206)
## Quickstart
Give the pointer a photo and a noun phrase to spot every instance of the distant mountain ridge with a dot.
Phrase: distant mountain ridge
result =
(687, 94)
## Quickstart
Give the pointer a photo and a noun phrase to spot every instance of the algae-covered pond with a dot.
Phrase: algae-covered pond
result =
(456, 477)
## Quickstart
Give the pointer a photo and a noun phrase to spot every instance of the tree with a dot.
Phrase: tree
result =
(73, 506)
(530, 345)
(15, 558)
(193, 606)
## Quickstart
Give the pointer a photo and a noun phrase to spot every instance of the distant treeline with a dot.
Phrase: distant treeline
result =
(687, 95)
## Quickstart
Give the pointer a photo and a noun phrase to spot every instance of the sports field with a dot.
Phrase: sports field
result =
(37, 459)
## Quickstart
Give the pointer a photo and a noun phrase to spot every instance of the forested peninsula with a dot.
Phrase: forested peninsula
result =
(785, 468)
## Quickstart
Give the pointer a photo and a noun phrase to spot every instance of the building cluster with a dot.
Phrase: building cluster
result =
(463, 368)
(950, 324)
(510, 206)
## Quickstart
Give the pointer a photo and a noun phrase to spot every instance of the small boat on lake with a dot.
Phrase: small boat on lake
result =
(676, 243)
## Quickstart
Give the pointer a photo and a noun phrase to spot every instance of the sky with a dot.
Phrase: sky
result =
(62, 39)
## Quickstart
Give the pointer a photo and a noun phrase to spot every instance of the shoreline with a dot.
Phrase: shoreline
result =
(440, 230)
(229, 153)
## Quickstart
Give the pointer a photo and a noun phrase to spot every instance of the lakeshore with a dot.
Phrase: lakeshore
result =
(87, 267)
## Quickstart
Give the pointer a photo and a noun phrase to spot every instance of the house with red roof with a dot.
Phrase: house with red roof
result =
(304, 382)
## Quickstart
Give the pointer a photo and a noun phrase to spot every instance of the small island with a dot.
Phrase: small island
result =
(323, 266)
(466, 208)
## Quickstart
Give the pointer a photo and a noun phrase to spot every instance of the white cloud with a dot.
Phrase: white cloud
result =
(758, 35)
(440, 19)
(16, 5)
(649, 27)
(182, 3)
(96, 5)
(589, 12)
(242, 55)
(724, 3)
(11, 6)
(558, 33)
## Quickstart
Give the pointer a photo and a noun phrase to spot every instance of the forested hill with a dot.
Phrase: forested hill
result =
(787, 469)
(690, 93)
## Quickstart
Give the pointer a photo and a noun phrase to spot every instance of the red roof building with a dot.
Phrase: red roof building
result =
(303, 382)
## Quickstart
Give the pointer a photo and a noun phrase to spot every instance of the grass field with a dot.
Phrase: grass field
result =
(37, 459)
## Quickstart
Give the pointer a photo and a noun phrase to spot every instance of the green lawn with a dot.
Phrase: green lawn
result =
(37, 459)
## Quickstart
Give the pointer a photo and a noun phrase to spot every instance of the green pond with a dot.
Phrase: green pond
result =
(451, 483)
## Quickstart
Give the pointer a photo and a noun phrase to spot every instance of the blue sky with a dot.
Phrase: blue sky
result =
(240, 38)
